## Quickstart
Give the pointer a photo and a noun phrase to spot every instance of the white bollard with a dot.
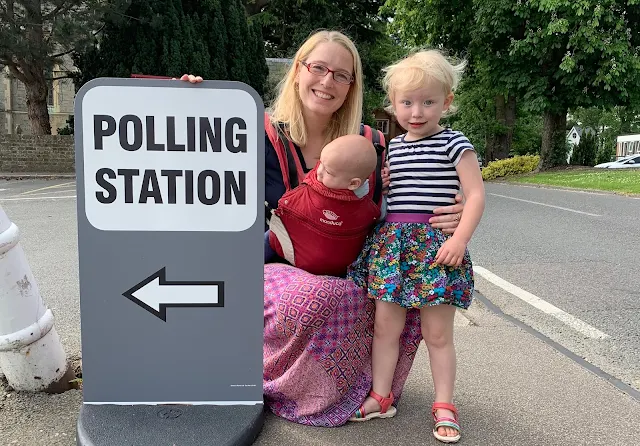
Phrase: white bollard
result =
(31, 355)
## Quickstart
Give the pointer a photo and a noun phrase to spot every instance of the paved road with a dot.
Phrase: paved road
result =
(578, 251)
(579, 256)
(582, 256)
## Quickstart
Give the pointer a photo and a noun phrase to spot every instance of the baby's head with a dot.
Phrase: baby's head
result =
(346, 162)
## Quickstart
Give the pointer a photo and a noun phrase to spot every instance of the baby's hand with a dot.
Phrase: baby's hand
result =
(386, 179)
(451, 253)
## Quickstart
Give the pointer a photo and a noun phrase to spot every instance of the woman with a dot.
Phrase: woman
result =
(318, 330)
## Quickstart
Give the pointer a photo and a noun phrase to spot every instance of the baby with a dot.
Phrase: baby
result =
(320, 226)
(346, 163)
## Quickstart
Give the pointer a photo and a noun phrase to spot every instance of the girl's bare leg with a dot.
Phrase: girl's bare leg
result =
(437, 331)
(389, 324)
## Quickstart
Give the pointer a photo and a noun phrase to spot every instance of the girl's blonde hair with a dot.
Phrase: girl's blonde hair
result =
(419, 69)
(287, 107)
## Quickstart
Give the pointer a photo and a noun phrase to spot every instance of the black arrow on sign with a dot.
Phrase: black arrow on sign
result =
(155, 294)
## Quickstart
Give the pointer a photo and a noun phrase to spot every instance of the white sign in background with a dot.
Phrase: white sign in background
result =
(180, 103)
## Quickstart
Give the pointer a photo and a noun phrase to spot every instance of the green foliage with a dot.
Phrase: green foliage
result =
(475, 114)
(584, 154)
(286, 24)
(475, 99)
(437, 23)
(68, 24)
(527, 135)
(210, 38)
(554, 55)
(510, 166)
(605, 154)
(67, 129)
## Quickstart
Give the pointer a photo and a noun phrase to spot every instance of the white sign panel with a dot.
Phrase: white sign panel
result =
(170, 159)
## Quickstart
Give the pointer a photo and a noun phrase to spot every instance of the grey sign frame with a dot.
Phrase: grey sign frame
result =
(181, 352)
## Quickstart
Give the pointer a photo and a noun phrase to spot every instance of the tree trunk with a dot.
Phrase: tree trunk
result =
(553, 152)
(31, 71)
(506, 116)
(626, 117)
(492, 141)
(37, 109)
(500, 120)
(489, 148)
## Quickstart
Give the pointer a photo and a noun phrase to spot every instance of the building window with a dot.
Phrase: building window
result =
(383, 125)
(50, 93)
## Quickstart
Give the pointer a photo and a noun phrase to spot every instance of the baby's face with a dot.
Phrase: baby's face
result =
(332, 173)
(332, 176)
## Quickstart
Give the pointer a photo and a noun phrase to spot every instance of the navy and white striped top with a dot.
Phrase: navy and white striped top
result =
(423, 172)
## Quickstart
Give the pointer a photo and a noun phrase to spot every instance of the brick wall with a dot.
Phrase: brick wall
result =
(37, 154)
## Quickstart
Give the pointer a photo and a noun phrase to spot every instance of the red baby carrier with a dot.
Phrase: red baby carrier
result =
(314, 228)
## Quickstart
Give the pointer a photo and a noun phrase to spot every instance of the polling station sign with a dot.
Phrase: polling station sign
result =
(175, 160)
(170, 180)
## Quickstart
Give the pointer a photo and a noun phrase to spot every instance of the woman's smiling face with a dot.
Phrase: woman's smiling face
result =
(323, 95)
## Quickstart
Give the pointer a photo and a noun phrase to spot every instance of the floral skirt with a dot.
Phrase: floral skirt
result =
(397, 265)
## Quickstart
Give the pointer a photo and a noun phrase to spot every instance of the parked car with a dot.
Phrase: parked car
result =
(622, 163)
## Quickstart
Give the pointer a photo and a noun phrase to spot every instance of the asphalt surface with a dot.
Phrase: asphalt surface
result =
(512, 387)
(586, 265)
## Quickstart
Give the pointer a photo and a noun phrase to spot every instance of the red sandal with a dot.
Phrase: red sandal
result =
(386, 409)
(445, 422)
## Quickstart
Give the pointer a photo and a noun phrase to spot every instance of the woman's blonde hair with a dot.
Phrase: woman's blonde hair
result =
(419, 69)
(287, 107)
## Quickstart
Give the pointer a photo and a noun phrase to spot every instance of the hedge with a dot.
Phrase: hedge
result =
(510, 166)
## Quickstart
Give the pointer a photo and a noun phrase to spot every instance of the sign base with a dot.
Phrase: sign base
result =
(179, 425)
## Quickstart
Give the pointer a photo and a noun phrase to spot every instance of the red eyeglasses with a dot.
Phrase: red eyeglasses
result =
(341, 77)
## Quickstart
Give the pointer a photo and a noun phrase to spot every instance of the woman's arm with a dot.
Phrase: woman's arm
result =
(449, 221)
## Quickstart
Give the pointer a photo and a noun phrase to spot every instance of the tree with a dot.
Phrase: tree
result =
(172, 37)
(553, 54)
(550, 54)
(36, 34)
(608, 124)
(449, 25)
(584, 154)
(286, 24)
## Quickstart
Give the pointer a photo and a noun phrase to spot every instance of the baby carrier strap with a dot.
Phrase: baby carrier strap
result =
(377, 138)
(290, 165)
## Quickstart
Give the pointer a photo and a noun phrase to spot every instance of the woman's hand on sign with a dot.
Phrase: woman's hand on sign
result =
(190, 78)
(449, 221)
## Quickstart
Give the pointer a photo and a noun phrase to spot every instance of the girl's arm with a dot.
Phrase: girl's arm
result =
(452, 251)
(473, 188)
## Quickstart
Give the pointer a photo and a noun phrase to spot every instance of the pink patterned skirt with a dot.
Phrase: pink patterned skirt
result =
(318, 332)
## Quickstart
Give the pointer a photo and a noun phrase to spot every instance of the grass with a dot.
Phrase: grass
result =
(626, 181)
